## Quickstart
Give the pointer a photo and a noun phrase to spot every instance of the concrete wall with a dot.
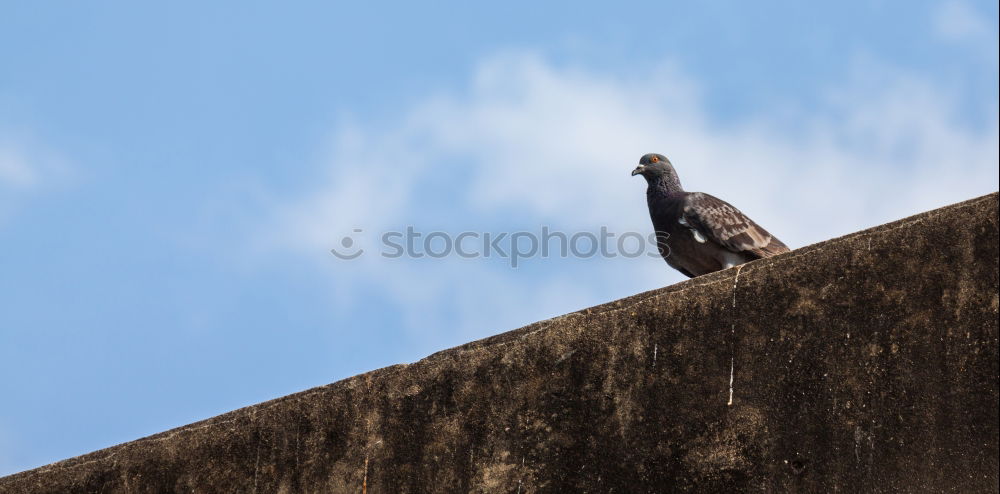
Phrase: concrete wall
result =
(866, 364)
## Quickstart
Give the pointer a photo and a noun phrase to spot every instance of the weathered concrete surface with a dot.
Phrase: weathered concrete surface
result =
(864, 364)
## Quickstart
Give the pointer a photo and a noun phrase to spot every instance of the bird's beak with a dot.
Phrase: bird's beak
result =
(638, 170)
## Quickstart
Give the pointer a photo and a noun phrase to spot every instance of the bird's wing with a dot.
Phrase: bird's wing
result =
(720, 222)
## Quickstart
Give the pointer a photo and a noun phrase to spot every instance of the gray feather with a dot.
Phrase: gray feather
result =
(722, 223)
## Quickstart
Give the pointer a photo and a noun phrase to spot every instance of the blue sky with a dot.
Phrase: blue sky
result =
(172, 179)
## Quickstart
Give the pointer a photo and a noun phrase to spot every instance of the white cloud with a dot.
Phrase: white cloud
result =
(554, 146)
(25, 168)
(956, 20)
(15, 170)
(26, 164)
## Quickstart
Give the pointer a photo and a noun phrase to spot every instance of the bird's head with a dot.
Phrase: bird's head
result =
(658, 172)
(654, 165)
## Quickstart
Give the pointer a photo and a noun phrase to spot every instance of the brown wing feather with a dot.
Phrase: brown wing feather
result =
(727, 226)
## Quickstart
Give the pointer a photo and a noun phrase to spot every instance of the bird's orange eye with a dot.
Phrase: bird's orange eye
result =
(654, 159)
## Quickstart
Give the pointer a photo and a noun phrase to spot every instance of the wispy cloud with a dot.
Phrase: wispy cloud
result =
(15, 169)
(530, 143)
(28, 163)
(956, 20)
(26, 167)
(22, 169)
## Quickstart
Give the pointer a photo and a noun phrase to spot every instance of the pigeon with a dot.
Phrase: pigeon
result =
(698, 233)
